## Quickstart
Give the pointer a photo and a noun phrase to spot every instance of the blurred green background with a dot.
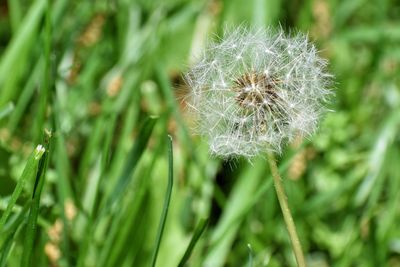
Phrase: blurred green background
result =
(106, 78)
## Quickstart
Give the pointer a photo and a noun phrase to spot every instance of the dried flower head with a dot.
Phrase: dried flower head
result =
(256, 89)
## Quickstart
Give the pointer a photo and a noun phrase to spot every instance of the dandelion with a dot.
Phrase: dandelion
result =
(256, 90)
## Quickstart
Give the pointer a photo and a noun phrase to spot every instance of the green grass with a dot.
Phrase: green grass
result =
(105, 78)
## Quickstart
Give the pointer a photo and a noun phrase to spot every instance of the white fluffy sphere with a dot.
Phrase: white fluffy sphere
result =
(254, 90)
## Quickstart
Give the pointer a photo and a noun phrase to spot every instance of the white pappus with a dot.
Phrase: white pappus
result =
(254, 90)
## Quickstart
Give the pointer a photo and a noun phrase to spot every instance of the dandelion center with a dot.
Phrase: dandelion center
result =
(257, 92)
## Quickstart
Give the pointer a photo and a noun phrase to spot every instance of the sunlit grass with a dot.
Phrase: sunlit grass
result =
(105, 78)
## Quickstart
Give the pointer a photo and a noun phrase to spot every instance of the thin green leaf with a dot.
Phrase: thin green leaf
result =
(16, 52)
(131, 162)
(25, 96)
(14, 222)
(34, 209)
(5, 250)
(10, 232)
(7, 109)
(377, 157)
(29, 171)
(201, 226)
(250, 264)
(116, 244)
(47, 77)
(15, 13)
(166, 202)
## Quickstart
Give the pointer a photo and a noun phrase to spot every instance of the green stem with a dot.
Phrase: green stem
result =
(166, 202)
(280, 191)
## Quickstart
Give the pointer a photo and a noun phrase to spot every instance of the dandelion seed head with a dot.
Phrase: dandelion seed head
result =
(254, 90)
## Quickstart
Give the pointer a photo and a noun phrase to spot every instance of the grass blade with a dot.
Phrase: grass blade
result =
(47, 79)
(5, 251)
(131, 162)
(241, 196)
(10, 231)
(34, 209)
(377, 158)
(173, 105)
(24, 97)
(15, 9)
(250, 264)
(6, 110)
(13, 223)
(29, 171)
(16, 52)
(202, 225)
(166, 202)
(116, 193)
(116, 246)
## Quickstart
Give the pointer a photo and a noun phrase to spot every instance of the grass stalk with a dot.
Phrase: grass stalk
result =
(7, 109)
(166, 203)
(282, 198)
(29, 171)
(31, 228)
(250, 262)
(201, 226)
(47, 79)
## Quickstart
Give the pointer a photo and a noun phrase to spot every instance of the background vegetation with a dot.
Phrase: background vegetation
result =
(103, 77)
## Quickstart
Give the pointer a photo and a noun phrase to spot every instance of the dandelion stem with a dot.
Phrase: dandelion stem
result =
(280, 191)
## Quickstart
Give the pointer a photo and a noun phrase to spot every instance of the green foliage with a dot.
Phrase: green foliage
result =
(105, 78)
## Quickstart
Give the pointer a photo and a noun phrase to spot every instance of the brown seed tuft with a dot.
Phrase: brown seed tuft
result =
(257, 94)
(256, 91)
